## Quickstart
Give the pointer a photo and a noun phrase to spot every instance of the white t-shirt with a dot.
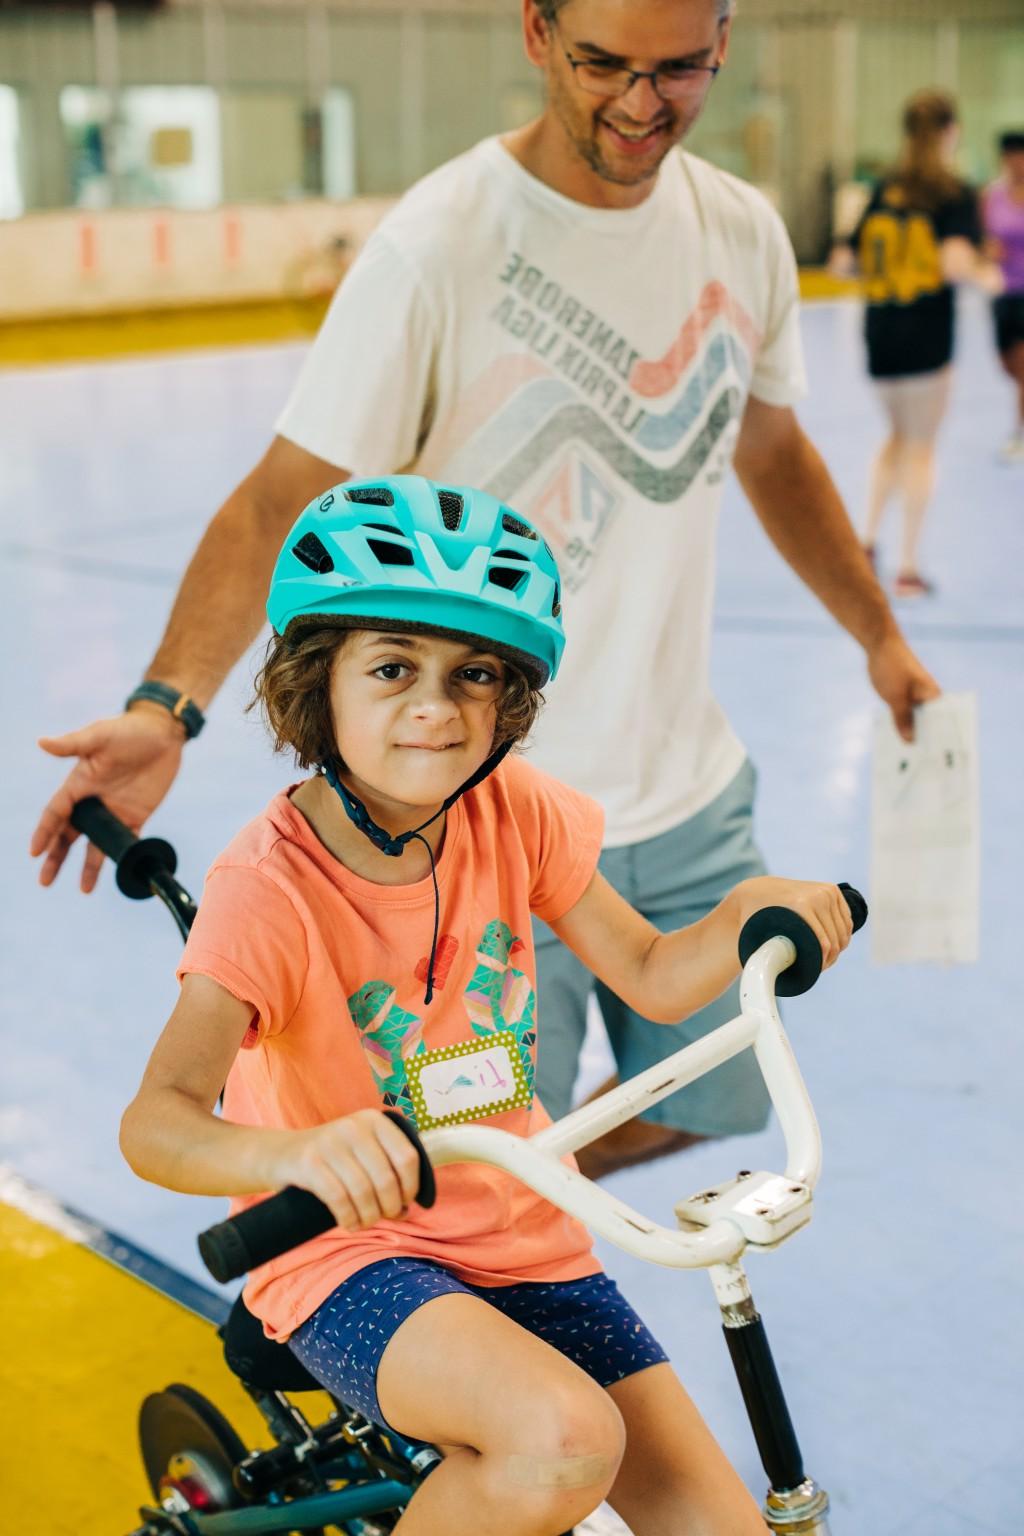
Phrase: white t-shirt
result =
(590, 367)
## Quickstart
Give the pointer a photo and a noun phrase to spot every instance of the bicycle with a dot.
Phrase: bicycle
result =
(350, 1474)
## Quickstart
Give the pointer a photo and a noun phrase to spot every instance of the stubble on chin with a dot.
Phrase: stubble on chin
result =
(583, 136)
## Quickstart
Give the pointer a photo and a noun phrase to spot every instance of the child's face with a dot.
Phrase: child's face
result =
(414, 715)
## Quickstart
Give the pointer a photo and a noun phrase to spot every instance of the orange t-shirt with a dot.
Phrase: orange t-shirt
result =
(334, 967)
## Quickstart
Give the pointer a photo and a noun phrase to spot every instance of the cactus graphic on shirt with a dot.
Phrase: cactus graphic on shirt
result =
(498, 997)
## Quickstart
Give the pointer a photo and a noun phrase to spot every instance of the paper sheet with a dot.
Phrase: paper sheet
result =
(925, 836)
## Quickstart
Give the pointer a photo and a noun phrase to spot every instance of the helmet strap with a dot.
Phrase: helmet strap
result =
(394, 847)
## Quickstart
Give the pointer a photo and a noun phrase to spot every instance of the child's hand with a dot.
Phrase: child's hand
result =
(823, 908)
(361, 1166)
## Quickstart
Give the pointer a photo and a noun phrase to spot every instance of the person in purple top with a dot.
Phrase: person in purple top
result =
(1003, 217)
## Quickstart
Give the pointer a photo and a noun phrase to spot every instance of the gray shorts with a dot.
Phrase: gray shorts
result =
(673, 880)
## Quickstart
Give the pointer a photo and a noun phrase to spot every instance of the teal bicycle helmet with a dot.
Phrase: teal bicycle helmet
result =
(402, 553)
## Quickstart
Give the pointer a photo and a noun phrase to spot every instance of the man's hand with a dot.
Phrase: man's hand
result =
(900, 681)
(130, 761)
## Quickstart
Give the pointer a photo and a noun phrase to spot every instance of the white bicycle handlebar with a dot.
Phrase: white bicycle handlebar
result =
(720, 1223)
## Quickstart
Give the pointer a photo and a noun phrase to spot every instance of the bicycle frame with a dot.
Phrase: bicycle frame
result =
(306, 1513)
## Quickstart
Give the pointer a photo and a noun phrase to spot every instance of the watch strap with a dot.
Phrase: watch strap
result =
(180, 705)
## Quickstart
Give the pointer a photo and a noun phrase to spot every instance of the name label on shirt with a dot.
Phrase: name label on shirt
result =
(468, 1081)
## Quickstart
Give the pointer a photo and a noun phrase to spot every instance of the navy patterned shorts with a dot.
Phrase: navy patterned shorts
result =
(589, 1321)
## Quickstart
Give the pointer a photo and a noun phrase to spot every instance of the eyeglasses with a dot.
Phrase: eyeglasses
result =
(670, 82)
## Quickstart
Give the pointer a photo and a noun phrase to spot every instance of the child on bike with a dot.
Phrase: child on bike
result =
(365, 943)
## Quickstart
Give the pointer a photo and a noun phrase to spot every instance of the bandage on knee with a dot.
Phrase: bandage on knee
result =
(558, 1471)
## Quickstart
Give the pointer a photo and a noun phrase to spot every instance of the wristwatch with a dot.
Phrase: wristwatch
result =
(180, 705)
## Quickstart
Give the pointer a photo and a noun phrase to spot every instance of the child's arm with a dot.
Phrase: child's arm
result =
(361, 1165)
(665, 976)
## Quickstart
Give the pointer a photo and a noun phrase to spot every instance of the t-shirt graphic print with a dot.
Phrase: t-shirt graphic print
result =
(499, 1000)
(570, 430)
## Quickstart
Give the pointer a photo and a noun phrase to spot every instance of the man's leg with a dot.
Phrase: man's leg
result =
(678, 878)
(638, 1141)
(564, 986)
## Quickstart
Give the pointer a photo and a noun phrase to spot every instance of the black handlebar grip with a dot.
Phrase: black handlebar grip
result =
(857, 905)
(294, 1216)
(136, 858)
(426, 1194)
(781, 922)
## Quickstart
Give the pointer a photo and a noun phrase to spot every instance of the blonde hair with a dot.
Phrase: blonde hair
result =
(293, 692)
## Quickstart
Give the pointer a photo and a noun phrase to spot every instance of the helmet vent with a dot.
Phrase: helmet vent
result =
(501, 576)
(556, 606)
(313, 554)
(375, 495)
(512, 524)
(384, 527)
(451, 509)
(391, 554)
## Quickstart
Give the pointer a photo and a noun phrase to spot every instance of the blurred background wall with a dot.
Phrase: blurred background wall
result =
(246, 124)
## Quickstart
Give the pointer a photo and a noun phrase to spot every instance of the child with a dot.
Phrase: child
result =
(378, 915)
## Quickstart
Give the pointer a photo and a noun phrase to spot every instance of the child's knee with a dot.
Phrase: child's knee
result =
(569, 1457)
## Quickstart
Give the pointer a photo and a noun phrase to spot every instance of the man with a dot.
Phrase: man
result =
(591, 326)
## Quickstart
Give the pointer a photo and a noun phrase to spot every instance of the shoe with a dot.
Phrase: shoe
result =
(1012, 451)
(912, 584)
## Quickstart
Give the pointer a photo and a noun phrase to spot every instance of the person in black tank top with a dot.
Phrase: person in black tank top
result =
(919, 235)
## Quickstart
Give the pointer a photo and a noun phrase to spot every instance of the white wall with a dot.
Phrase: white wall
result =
(81, 262)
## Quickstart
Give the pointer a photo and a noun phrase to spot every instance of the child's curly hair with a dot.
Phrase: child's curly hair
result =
(293, 692)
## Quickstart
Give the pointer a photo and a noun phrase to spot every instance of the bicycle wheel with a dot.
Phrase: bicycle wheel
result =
(189, 1448)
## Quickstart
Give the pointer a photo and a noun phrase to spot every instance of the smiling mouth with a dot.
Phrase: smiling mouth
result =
(635, 135)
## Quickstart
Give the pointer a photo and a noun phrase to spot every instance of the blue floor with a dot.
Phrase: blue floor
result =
(895, 1316)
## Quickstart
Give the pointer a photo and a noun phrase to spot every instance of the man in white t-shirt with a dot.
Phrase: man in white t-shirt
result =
(593, 326)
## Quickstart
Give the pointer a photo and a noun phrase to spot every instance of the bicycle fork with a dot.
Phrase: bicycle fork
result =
(795, 1505)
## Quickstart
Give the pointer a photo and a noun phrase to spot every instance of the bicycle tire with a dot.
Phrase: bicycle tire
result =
(187, 1444)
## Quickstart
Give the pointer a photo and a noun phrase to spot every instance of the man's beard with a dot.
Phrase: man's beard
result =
(589, 150)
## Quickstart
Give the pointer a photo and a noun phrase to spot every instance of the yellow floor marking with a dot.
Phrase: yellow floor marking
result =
(117, 333)
(818, 283)
(71, 338)
(83, 1344)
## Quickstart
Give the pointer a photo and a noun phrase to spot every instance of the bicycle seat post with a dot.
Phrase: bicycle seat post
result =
(794, 1501)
